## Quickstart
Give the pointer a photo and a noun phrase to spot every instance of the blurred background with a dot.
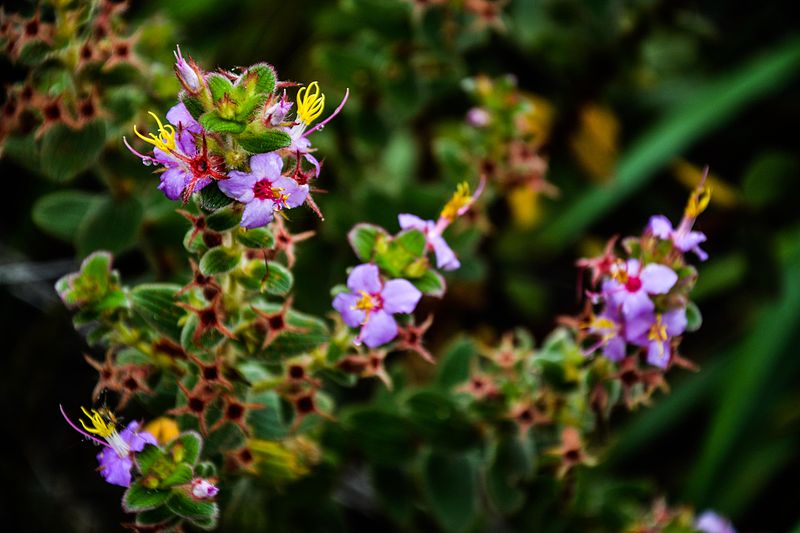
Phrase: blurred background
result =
(588, 117)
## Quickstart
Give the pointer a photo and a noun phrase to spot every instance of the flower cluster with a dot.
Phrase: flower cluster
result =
(160, 475)
(397, 271)
(234, 130)
(643, 296)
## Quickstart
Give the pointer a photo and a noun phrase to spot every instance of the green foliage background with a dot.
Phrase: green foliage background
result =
(712, 82)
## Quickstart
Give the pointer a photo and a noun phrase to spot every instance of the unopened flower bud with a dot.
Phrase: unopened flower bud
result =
(276, 113)
(478, 117)
(203, 489)
(187, 72)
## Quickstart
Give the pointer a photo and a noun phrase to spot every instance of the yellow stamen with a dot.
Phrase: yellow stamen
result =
(658, 331)
(165, 140)
(461, 198)
(620, 273)
(603, 323)
(276, 192)
(100, 426)
(698, 201)
(605, 327)
(367, 302)
(310, 103)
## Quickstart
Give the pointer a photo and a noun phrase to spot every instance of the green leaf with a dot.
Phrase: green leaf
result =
(246, 109)
(211, 121)
(312, 332)
(154, 517)
(219, 85)
(438, 419)
(263, 142)
(265, 77)
(385, 438)
(279, 280)
(245, 510)
(431, 283)
(205, 523)
(184, 505)
(186, 448)
(66, 152)
(155, 303)
(256, 238)
(219, 260)
(693, 317)
(194, 106)
(412, 241)
(209, 339)
(24, 150)
(211, 198)
(363, 238)
(450, 482)
(132, 356)
(97, 266)
(60, 213)
(110, 225)
(113, 300)
(90, 286)
(223, 219)
(183, 473)
(205, 469)
(137, 498)
(454, 366)
(512, 463)
(267, 423)
(149, 456)
(401, 252)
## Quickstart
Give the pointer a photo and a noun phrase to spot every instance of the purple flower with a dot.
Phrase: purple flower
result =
(655, 332)
(187, 127)
(175, 148)
(116, 461)
(445, 257)
(116, 458)
(301, 146)
(264, 190)
(607, 325)
(711, 522)
(203, 489)
(631, 286)
(371, 303)
(178, 160)
(683, 238)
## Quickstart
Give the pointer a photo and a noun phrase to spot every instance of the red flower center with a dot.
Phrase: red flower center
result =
(633, 284)
(263, 190)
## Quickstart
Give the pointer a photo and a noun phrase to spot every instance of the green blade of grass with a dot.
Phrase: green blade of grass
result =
(712, 105)
(756, 360)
